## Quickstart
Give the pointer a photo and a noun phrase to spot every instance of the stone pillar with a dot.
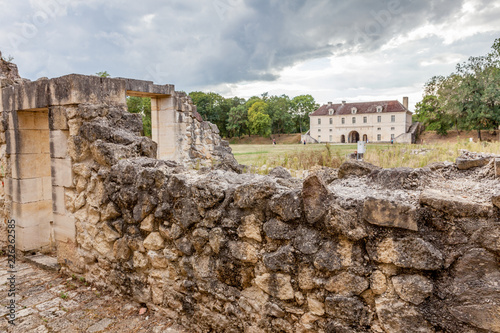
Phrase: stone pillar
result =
(30, 184)
(62, 178)
(164, 121)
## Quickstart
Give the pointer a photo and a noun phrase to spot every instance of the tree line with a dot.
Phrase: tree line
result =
(467, 99)
(259, 115)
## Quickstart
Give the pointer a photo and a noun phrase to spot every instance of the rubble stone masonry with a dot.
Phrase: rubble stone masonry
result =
(359, 249)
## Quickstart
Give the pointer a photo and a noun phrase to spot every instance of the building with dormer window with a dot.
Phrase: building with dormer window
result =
(380, 121)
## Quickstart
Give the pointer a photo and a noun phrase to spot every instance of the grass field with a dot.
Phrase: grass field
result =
(303, 157)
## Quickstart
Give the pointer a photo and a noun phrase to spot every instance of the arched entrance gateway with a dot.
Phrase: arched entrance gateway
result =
(353, 137)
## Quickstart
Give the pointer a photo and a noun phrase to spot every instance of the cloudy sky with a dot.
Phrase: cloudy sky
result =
(355, 50)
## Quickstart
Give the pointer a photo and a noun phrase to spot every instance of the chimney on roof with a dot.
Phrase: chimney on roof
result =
(343, 102)
(405, 102)
(330, 103)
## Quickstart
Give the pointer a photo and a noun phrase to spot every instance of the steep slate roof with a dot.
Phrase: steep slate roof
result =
(365, 107)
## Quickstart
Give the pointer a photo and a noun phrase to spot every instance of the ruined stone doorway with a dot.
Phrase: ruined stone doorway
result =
(31, 183)
(353, 137)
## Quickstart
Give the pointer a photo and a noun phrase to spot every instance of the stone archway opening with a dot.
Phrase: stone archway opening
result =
(353, 137)
(342, 139)
(365, 138)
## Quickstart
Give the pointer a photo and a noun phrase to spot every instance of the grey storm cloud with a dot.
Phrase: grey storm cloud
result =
(196, 43)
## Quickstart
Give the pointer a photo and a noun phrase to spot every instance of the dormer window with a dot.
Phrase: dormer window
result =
(354, 110)
(331, 111)
(379, 108)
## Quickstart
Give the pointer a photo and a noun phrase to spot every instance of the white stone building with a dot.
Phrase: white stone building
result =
(380, 121)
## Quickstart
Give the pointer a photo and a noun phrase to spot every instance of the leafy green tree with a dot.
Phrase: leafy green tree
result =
(213, 108)
(237, 121)
(279, 108)
(259, 121)
(469, 98)
(141, 105)
(103, 74)
(302, 106)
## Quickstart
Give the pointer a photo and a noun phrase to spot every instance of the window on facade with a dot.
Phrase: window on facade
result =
(379, 129)
(354, 110)
(393, 128)
(343, 121)
(379, 109)
(392, 136)
(379, 137)
(365, 120)
(331, 138)
(354, 120)
(331, 129)
(319, 121)
(330, 111)
(379, 119)
(393, 119)
(331, 121)
(319, 137)
(319, 130)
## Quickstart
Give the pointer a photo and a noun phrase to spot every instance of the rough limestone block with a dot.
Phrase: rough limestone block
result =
(465, 164)
(390, 214)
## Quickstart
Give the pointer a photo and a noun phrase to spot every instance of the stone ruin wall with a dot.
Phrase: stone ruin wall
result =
(359, 249)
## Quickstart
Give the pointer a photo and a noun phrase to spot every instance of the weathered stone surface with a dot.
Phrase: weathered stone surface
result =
(250, 228)
(465, 163)
(347, 284)
(497, 167)
(280, 172)
(315, 195)
(387, 213)
(453, 205)
(378, 282)
(287, 205)
(355, 168)
(346, 223)
(281, 260)
(121, 251)
(398, 178)
(316, 307)
(349, 310)
(154, 242)
(276, 229)
(185, 246)
(249, 195)
(148, 223)
(216, 239)
(409, 252)
(489, 237)
(328, 258)
(412, 288)
(398, 316)
(484, 316)
(277, 285)
(306, 240)
(495, 200)
(243, 251)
